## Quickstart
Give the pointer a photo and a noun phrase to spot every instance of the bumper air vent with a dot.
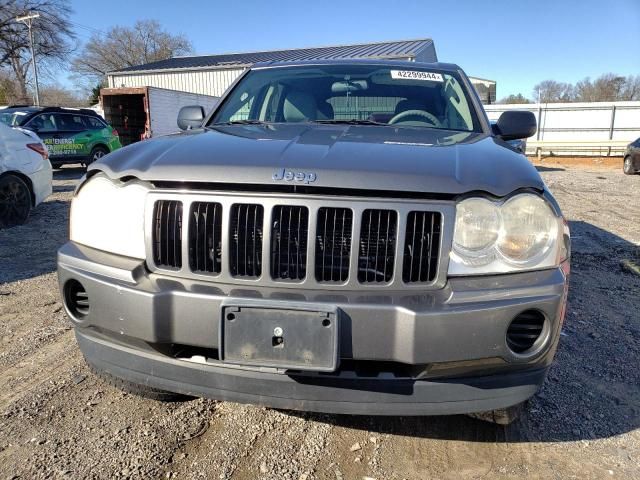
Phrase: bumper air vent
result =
(205, 237)
(333, 244)
(421, 247)
(525, 330)
(245, 239)
(289, 228)
(76, 299)
(377, 246)
(167, 234)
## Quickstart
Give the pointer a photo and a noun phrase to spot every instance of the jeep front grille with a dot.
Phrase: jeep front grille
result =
(245, 232)
(289, 231)
(420, 263)
(377, 245)
(333, 244)
(205, 237)
(313, 242)
(167, 234)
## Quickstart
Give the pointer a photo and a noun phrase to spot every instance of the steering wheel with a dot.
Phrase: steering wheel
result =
(421, 114)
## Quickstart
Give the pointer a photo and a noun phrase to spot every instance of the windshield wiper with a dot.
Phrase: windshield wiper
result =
(351, 121)
(239, 122)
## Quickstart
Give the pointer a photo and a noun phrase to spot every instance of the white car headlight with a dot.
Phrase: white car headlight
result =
(109, 216)
(522, 233)
(477, 229)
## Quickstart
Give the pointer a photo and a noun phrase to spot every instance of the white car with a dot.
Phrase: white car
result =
(25, 174)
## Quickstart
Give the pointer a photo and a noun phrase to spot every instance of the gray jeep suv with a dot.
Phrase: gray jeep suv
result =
(348, 237)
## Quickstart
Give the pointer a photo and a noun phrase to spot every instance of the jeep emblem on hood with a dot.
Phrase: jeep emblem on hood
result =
(290, 175)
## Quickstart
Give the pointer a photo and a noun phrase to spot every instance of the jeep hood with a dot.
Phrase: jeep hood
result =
(341, 156)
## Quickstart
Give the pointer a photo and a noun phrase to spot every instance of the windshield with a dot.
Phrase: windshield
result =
(12, 118)
(405, 96)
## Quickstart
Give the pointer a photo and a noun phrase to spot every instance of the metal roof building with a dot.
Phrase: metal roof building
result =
(212, 74)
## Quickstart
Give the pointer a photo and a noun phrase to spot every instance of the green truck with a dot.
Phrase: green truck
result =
(72, 135)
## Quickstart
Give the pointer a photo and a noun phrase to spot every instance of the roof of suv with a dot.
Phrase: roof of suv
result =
(390, 63)
(35, 109)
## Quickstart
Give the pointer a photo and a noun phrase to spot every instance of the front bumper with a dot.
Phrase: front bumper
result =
(456, 336)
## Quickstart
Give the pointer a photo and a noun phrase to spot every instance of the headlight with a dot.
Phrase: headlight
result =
(520, 234)
(529, 229)
(110, 217)
(477, 229)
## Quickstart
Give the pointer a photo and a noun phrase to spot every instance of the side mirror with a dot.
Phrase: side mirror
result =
(515, 124)
(190, 117)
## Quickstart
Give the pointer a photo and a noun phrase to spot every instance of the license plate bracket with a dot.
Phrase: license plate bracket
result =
(297, 338)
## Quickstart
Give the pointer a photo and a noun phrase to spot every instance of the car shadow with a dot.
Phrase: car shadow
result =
(593, 388)
(541, 168)
(29, 250)
(69, 172)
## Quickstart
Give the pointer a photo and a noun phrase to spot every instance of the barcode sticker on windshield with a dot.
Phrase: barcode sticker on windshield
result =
(416, 75)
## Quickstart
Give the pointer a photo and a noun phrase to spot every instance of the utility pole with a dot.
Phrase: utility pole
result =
(26, 19)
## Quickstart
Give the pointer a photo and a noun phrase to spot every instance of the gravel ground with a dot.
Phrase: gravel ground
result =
(58, 421)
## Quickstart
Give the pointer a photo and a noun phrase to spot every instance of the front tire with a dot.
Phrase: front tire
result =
(96, 154)
(15, 201)
(627, 166)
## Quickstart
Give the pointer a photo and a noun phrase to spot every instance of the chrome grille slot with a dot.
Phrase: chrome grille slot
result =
(421, 248)
(377, 246)
(245, 240)
(205, 237)
(333, 244)
(289, 229)
(167, 234)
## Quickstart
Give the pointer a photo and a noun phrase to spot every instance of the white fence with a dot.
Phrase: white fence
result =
(598, 128)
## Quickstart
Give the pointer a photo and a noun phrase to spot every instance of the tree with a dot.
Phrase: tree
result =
(631, 90)
(94, 96)
(62, 97)
(551, 91)
(123, 47)
(519, 98)
(52, 38)
(608, 88)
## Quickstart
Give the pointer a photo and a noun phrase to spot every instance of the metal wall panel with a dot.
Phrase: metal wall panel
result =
(203, 82)
(594, 123)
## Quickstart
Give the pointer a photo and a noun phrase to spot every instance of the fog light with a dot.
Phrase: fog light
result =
(525, 331)
(77, 299)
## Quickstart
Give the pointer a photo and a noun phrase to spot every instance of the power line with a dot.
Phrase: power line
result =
(88, 28)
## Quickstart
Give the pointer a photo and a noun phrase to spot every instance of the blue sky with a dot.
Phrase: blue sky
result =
(517, 43)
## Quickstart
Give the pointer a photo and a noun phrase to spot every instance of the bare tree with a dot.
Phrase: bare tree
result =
(62, 97)
(123, 47)
(608, 88)
(631, 90)
(551, 91)
(8, 89)
(519, 98)
(52, 38)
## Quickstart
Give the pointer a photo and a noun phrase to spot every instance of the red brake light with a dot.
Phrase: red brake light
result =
(39, 148)
(114, 132)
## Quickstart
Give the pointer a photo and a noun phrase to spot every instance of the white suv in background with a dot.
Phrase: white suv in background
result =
(25, 174)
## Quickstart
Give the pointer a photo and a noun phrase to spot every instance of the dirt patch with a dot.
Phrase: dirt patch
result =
(606, 163)
(58, 421)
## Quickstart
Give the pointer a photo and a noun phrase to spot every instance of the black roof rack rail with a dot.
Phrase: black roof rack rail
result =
(85, 111)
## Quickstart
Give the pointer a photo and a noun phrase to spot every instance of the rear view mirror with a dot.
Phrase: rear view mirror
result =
(190, 117)
(515, 124)
(349, 86)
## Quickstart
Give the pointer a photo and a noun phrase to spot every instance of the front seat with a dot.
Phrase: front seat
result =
(300, 107)
(406, 105)
(325, 111)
